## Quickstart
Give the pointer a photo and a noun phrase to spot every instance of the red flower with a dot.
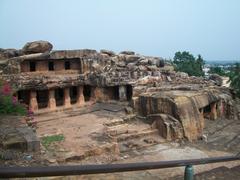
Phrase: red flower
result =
(6, 89)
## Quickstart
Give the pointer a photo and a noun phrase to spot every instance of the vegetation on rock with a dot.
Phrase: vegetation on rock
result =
(186, 62)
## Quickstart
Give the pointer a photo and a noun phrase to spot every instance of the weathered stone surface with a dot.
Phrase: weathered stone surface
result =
(132, 58)
(37, 47)
(217, 79)
(82, 53)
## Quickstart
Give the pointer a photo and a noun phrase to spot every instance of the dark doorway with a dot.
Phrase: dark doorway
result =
(207, 109)
(115, 92)
(51, 66)
(23, 97)
(59, 94)
(32, 65)
(129, 92)
(67, 65)
(42, 99)
(87, 92)
(73, 94)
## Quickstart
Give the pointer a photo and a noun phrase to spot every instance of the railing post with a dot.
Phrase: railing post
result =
(188, 174)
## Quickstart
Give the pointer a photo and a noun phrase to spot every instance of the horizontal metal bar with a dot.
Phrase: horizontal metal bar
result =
(14, 172)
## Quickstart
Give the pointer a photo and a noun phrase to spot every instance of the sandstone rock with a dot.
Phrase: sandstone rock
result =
(128, 110)
(217, 79)
(131, 66)
(132, 58)
(143, 61)
(37, 47)
(127, 52)
(169, 127)
(108, 52)
(159, 62)
(9, 53)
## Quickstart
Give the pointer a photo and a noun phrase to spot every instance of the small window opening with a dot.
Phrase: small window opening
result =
(32, 65)
(51, 66)
(67, 65)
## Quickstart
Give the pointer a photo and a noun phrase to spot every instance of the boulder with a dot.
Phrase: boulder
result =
(131, 66)
(217, 79)
(143, 61)
(132, 58)
(9, 53)
(169, 127)
(108, 52)
(37, 47)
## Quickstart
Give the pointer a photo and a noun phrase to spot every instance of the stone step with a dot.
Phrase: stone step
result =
(124, 137)
(119, 129)
(114, 122)
(140, 143)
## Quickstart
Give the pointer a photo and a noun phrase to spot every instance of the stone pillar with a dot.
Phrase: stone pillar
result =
(80, 97)
(67, 99)
(213, 114)
(93, 94)
(122, 93)
(51, 99)
(33, 105)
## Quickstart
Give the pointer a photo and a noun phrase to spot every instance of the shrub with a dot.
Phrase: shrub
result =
(8, 102)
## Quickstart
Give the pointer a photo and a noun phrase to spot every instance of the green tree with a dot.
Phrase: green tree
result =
(217, 70)
(186, 62)
(234, 76)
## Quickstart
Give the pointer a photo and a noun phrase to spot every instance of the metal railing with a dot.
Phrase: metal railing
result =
(20, 172)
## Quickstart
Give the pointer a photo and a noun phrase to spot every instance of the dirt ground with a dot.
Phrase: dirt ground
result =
(103, 133)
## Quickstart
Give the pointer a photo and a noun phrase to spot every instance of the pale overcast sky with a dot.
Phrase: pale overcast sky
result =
(150, 27)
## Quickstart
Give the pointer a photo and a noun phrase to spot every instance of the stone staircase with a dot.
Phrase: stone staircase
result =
(134, 135)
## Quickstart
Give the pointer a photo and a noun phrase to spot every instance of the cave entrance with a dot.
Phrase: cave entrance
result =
(129, 92)
(73, 94)
(23, 97)
(87, 92)
(59, 94)
(42, 99)
(207, 111)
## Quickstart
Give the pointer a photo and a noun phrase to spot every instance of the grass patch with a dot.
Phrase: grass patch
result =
(48, 140)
